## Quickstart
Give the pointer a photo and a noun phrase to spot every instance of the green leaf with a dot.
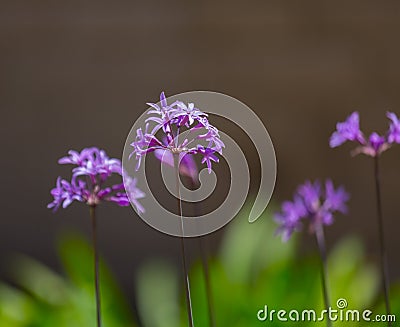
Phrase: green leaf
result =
(158, 295)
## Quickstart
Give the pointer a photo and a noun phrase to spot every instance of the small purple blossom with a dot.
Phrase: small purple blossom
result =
(189, 114)
(335, 200)
(93, 168)
(313, 203)
(394, 128)
(208, 156)
(348, 130)
(374, 145)
(185, 131)
(92, 162)
(65, 193)
(128, 187)
(376, 141)
(289, 219)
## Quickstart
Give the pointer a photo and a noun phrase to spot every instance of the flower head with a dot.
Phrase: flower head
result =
(289, 219)
(349, 130)
(374, 145)
(93, 169)
(313, 203)
(394, 128)
(65, 193)
(186, 132)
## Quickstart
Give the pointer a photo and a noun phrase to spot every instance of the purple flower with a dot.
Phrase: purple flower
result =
(185, 131)
(92, 162)
(208, 156)
(65, 193)
(93, 168)
(76, 158)
(167, 114)
(394, 128)
(134, 194)
(289, 219)
(348, 130)
(376, 144)
(376, 141)
(189, 114)
(335, 199)
(313, 203)
(312, 193)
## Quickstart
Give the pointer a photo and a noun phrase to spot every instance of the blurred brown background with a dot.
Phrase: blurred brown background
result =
(78, 73)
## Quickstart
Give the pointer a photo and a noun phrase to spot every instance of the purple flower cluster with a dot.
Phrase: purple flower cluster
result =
(373, 146)
(313, 203)
(184, 127)
(93, 168)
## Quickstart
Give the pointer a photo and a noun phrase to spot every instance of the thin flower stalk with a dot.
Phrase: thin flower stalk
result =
(92, 210)
(320, 237)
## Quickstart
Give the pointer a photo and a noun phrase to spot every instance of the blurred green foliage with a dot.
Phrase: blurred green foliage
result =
(43, 298)
(252, 269)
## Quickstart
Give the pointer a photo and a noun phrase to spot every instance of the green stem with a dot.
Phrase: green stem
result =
(96, 264)
(382, 247)
(319, 233)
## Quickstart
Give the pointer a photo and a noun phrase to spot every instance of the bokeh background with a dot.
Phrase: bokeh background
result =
(76, 74)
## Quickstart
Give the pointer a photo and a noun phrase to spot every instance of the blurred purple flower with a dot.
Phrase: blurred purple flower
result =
(311, 193)
(93, 169)
(349, 130)
(289, 219)
(311, 202)
(376, 141)
(128, 187)
(335, 200)
(394, 128)
(182, 126)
